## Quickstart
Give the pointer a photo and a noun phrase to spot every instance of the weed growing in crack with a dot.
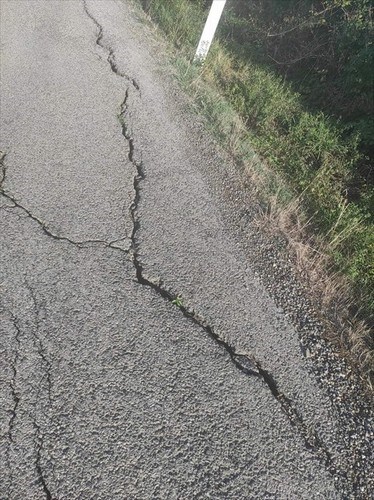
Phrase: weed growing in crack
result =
(121, 119)
(178, 301)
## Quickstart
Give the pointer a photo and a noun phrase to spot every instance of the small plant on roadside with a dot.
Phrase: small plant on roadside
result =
(177, 301)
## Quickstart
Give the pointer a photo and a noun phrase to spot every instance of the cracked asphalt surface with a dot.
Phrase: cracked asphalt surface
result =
(108, 213)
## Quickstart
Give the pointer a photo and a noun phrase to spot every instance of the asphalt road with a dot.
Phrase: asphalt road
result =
(110, 211)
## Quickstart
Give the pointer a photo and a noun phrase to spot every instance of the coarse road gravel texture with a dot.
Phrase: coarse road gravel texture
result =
(110, 211)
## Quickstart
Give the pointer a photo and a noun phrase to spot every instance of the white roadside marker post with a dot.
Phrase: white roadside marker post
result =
(209, 30)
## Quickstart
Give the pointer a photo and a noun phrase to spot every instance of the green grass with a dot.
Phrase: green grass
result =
(178, 301)
(300, 155)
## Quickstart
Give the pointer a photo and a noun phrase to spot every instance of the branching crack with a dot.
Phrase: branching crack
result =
(243, 361)
(246, 363)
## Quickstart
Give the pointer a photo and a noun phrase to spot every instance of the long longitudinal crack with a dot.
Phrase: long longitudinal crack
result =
(111, 57)
(38, 440)
(38, 467)
(15, 397)
(39, 344)
(40, 348)
(2, 168)
(244, 362)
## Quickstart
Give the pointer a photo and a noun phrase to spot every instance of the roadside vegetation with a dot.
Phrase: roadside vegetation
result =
(288, 90)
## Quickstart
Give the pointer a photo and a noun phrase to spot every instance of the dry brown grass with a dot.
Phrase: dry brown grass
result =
(330, 291)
